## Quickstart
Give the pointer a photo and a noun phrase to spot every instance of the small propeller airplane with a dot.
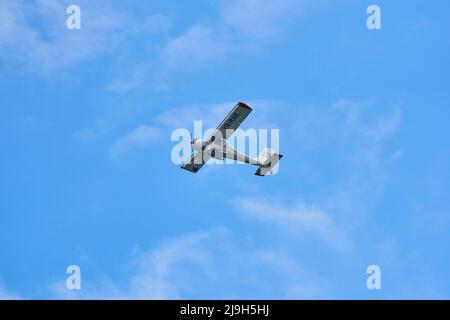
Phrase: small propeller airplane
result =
(217, 146)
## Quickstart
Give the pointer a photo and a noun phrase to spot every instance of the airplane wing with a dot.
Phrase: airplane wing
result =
(226, 128)
(196, 161)
(233, 120)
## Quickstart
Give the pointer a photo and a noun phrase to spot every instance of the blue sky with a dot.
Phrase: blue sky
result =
(87, 179)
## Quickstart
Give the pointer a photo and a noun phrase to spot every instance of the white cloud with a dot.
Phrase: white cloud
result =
(12, 30)
(356, 114)
(48, 45)
(297, 220)
(127, 84)
(210, 264)
(195, 265)
(99, 128)
(140, 137)
(254, 22)
(34, 33)
(160, 272)
(198, 45)
(158, 23)
(242, 25)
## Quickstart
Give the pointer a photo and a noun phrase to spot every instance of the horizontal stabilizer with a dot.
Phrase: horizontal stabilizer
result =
(269, 168)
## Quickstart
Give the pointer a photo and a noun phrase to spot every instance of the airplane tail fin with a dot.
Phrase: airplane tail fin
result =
(268, 160)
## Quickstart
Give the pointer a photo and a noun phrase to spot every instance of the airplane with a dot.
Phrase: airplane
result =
(217, 146)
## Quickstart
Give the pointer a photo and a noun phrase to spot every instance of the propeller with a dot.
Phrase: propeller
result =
(191, 136)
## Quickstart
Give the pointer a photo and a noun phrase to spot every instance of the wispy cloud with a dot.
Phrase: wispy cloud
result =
(141, 136)
(124, 84)
(299, 219)
(35, 34)
(160, 272)
(256, 23)
(157, 23)
(241, 27)
(199, 45)
(356, 115)
(99, 128)
(48, 44)
(195, 265)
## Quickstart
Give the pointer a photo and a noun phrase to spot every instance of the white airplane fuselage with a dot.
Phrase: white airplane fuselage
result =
(221, 150)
